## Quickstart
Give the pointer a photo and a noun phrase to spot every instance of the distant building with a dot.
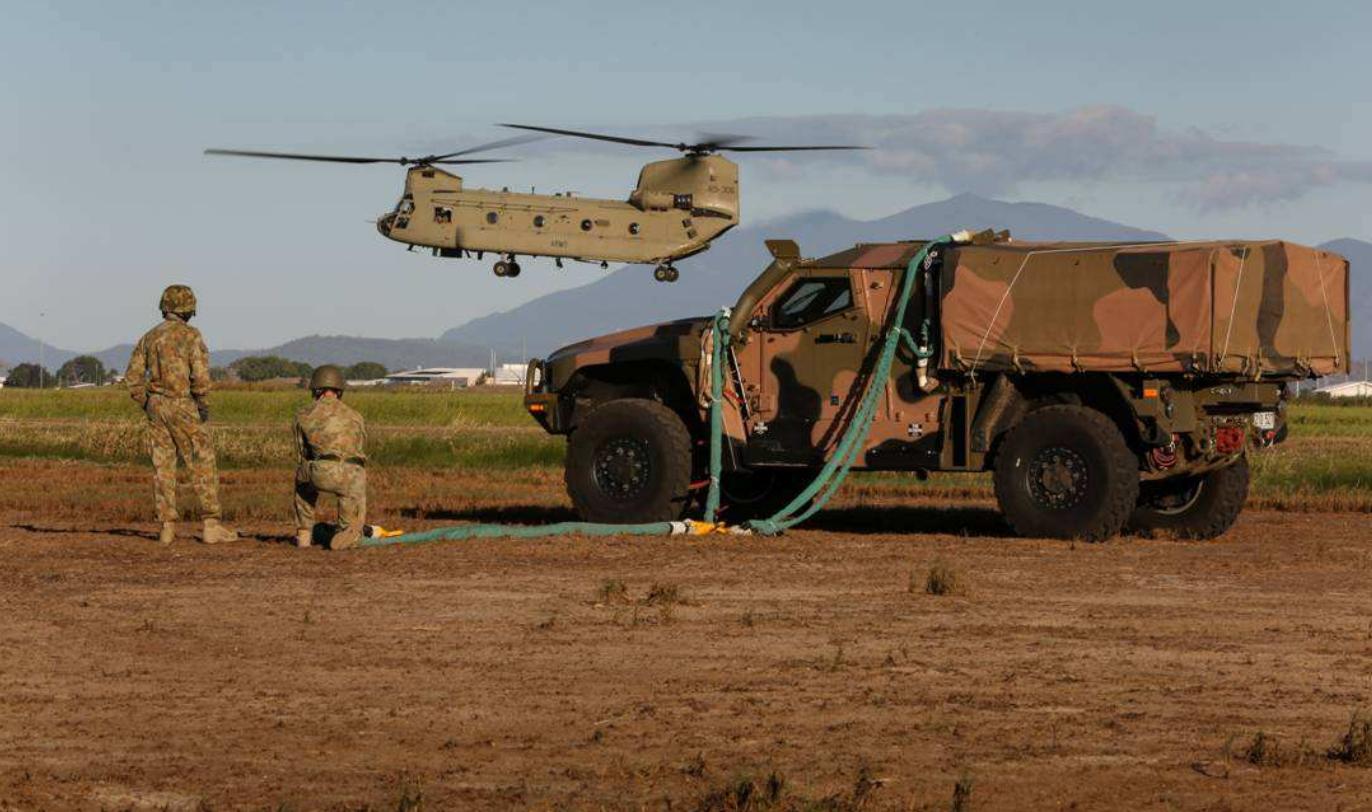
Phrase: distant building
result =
(451, 376)
(509, 375)
(1347, 389)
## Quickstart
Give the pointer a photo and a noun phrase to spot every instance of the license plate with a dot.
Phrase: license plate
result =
(1265, 420)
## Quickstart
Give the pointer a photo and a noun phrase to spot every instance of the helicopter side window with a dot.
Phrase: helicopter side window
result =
(810, 300)
(443, 214)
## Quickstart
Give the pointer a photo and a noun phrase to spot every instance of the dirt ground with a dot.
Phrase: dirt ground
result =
(514, 674)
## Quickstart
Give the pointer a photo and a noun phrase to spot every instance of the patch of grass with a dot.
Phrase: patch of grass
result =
(1355, 746)
(665, 597)
(381, 407)
(1265, 750)
(962, 794)
(943, 579)
(612, 590)
(272, 445)
(756, 792)
(660, 594)
(746, 793)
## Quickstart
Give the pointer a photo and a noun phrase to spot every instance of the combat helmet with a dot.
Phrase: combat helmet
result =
(178, 299)
(327, 377)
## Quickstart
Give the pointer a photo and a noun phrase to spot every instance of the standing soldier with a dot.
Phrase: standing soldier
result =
(169, 377)
(330, 439)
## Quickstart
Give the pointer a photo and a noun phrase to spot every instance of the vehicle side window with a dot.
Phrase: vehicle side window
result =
(810, 300)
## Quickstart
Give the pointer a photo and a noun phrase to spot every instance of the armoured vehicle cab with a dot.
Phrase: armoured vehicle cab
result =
(1104, 385)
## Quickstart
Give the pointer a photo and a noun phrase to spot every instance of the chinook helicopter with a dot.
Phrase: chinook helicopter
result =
(678, 207)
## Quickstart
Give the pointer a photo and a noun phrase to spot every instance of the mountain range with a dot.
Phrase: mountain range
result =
(628, 296)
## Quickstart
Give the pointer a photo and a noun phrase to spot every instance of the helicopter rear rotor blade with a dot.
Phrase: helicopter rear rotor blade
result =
(792, 149)
(638, 142)
(712, 143)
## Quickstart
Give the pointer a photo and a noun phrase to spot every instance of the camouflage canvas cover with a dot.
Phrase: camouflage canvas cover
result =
(1269, 308)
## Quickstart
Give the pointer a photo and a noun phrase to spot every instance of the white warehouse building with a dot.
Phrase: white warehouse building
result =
(1347, 389)
(452, 376)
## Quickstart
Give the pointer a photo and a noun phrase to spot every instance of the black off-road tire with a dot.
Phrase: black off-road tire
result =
(629, 462)
(1066, 472)
(760, 494)
(1198, 507)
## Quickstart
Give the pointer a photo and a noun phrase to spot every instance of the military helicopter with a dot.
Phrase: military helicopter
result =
(678, 207)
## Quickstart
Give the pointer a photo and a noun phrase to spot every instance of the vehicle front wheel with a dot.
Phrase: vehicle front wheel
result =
(629, 462)
(1066, 472)
(1193, 507)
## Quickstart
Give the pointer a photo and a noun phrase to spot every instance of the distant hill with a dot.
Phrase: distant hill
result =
(392, 353)
(629, 297)
(1359, 254)
(17, 348)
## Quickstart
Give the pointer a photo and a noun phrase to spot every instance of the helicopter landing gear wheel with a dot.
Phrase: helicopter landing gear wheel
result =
(507, 267)
(666, 273)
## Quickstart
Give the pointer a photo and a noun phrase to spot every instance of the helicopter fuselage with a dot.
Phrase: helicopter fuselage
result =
(678, 207)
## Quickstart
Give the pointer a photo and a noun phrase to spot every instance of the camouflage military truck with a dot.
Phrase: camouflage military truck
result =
(1105, 385)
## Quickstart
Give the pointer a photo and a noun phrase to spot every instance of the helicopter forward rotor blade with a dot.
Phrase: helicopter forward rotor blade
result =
(353, 159)
(295, 156)
(504, 142)
(638, 142)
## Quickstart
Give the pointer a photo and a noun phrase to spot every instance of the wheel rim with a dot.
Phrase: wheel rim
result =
(623, 467)
(1178, 501)
(1058, 477)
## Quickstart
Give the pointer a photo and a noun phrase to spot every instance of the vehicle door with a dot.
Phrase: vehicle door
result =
(812, 339)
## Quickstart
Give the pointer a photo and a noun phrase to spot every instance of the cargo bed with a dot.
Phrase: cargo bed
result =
(1269, 308)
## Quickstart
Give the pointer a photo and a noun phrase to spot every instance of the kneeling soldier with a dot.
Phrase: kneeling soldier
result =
(330, 438)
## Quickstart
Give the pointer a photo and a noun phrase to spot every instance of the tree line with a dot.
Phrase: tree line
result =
(87, 369)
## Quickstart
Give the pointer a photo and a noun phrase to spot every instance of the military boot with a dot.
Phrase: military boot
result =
(303, 538)
(168, 534)
(345, 541)
(216, 533)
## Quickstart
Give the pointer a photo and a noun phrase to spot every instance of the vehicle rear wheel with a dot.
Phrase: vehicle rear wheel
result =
(1066, 472)
(629, 462)
(1194, 507)
(760, 494)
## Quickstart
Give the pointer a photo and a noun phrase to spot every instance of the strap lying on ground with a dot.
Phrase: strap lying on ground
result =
(808, 503)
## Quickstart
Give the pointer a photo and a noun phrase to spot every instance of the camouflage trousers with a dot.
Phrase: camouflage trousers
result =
(175, 432)
(342, 479)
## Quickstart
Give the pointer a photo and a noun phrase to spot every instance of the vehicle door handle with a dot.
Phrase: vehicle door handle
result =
(835, 338)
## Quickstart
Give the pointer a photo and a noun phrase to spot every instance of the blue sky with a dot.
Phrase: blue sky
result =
(1199, 119)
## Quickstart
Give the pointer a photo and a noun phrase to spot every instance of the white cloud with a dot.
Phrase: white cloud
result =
(992, 151)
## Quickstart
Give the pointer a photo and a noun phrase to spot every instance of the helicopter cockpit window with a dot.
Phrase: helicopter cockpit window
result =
(405, 206)
(443, 214)
(810, 300)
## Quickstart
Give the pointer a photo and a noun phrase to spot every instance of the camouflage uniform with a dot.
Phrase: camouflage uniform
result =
(169, 377)
(330, 440)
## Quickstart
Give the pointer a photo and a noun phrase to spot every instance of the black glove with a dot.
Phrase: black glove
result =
(203, 409)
